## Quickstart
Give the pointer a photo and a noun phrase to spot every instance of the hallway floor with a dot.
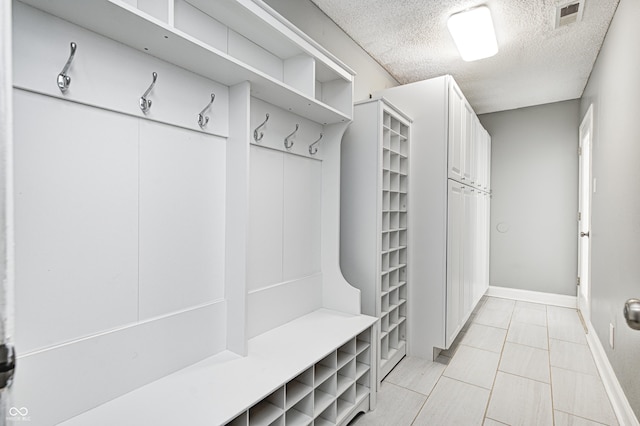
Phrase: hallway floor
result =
(514, 363)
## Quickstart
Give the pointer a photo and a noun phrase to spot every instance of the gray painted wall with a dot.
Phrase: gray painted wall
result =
(305, 15)
(614, 90)
(534, 178)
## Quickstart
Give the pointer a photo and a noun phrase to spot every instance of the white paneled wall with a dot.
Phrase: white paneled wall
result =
(266, 196)
(182, 218)
(284, 278)
(76, 221)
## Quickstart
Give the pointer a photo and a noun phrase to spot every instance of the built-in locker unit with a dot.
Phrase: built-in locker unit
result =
(177, 179)
(449, 212)
(374, 214)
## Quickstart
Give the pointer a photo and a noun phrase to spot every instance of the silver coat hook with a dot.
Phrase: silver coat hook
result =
(313, 149)
(287, 143)
(202, 120)
(258, 137)
(145, 104)
(63, 79)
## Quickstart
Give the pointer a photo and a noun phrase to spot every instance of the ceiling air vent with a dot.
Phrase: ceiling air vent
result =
(569, 13)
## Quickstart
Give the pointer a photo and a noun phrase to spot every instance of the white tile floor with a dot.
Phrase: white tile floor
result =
(514, 363)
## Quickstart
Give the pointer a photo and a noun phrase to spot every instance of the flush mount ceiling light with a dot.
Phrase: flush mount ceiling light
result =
(473, 33)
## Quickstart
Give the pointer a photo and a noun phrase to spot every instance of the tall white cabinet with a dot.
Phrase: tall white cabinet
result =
(449, 212)
(374, 213)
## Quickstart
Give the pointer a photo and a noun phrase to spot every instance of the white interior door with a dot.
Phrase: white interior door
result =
(584, 215)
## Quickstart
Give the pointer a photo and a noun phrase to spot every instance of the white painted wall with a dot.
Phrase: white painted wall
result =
(614, 89)
(305, 15)
(534, 177)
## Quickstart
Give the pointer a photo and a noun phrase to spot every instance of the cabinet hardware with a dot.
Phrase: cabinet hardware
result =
(63, 79)
(202, 120)
(145, 104)
(314, 149)
(258, 136)
(288, 143)
(584, 234)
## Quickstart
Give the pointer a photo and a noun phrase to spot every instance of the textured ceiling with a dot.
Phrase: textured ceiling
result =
(536, 63)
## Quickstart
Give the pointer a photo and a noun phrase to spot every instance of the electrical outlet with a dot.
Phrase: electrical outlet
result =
(611, 333)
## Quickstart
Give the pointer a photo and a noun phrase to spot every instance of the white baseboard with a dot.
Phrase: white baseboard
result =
(533, 296)
(618, 399)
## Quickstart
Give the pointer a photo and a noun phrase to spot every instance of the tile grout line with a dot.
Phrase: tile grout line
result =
(495, 376)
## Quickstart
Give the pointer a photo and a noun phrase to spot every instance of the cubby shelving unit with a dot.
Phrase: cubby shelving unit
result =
(374, 237)
(292, 351)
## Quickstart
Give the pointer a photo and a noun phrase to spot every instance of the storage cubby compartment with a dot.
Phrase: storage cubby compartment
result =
(386, 201)
(395, 162)
(363, 342)
(394, 298)
(384, 303)
(394, 340)
(394, 220)
(386, 180)
(325, 368)
(394, 279)
(333, 90)
(328, 416)
(346, 375)
(386, 120)
(395, 125)
(362, 388)
(299, 388)
(386, 141)
(386, 221)
(395, 143)
(345, 402)
(394, 315)
(401, 222)
(395, 182)
(384, 323)
(325, 393)
(402, 256)
(403, 292)
(394, 196)
(403, 203)
(403, 183)
(402, 276)
(402, 329)
(404, 165)
(385, 241)
(301, 413)
(384, 347)
(394, 239)
(346, 353)
(402, 238)
(268, 411)
(394, 259)
(402, 310)
(384, 282)
(160, 10)
(241, 420)
(385, 262)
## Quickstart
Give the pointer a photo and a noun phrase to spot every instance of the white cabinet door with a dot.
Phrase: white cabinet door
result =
(469, 237)
(468, 121)
(457, 134)
(455, 261)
